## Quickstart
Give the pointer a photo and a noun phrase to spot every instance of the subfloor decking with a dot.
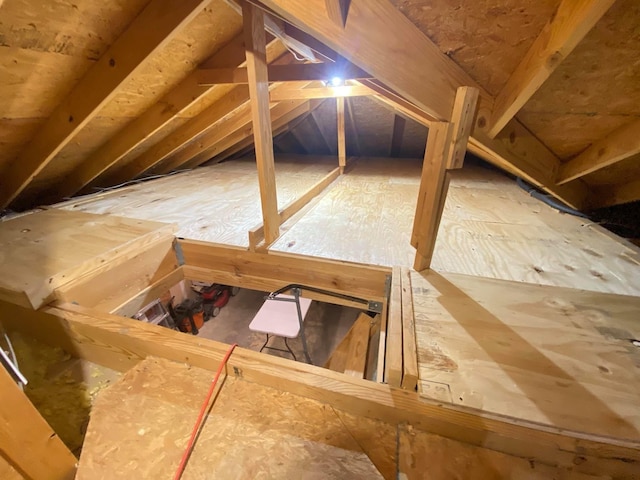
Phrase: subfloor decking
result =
(218, 204)
(553, 356)
(490, 227)
(140, 426)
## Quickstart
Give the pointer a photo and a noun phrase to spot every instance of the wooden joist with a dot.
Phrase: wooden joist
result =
(121, 343)
(409, 349)
(322, 92)
(283, 73)
(234, 98)
(393, 350)
(151, 121)
(338, 10)
(619, 145)
(27, 441)
(153, 28)
(568, 26)
(464, 109)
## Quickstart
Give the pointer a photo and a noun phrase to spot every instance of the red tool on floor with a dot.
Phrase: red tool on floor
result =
(214, 297)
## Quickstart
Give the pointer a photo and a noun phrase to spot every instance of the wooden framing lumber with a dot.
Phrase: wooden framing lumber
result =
(356, 359)
(120, 343)
(621, 144)
(392, 59)
(255, 43)
(283, 73)
(322, 92)
(409, 349)
(396, 137)
(338, 10)
(256, 234)
(153, 28)
(610, 195)
(568, 26)
(342, 143)
(276, 270)
(393, 353)
(231, 131)
(434, 184)
(464, 109)
(27, 441)
(233, 99)
(151, 121)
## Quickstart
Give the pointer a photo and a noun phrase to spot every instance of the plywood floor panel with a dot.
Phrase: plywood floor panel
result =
(524, 350)
(217, 204)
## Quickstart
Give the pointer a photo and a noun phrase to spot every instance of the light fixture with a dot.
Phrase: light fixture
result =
(336, 82)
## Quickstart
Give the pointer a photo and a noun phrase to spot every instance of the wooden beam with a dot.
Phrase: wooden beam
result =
(120, 343)
(353, 126)
(434, 184)
(464, 109)
(283, 73)
(153, 28)
(256, 234)
(610, 195)
(239, 128)
(322, 92)
(185, 94)
(356, 360)
(409, 349)
(410, 64)
(564, 31)
(27, 441)
(255, 43)
(393, 352)
(342, 143)
(234, 98)
(621, 144)
(396, 138)
(338, 10)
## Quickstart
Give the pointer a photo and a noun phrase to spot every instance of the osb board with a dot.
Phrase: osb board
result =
(489, 228)
(487, 38)
(140, 426)
(595, 89)
(220, 203)
(549, 355)
(44, 250)
(425, 456)
(61, 387)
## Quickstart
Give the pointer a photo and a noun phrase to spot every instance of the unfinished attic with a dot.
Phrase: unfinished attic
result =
(320, 239)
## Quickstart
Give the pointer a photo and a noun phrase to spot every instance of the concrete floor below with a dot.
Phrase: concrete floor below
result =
(325, 326)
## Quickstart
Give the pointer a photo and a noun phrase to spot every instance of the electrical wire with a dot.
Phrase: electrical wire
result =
(203, 409)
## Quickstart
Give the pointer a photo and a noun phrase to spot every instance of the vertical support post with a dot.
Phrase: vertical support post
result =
(434, 184)
(446, 146)
(255, 44)
(398, 132)
(342, 145)
(27, 441)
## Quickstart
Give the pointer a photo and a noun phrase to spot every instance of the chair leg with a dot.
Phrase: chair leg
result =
(289, 348)
(304, 346)
(265, 343)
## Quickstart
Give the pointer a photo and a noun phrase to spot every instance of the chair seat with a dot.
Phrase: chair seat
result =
(280, 318)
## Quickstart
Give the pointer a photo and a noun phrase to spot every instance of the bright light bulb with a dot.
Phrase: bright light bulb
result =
(336, 82)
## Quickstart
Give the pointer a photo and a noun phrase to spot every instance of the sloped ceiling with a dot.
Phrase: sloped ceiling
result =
(159, 118)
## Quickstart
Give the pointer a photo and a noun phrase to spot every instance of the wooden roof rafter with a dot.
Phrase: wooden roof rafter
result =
(153, 28)
(431, 87)
(568, 26)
